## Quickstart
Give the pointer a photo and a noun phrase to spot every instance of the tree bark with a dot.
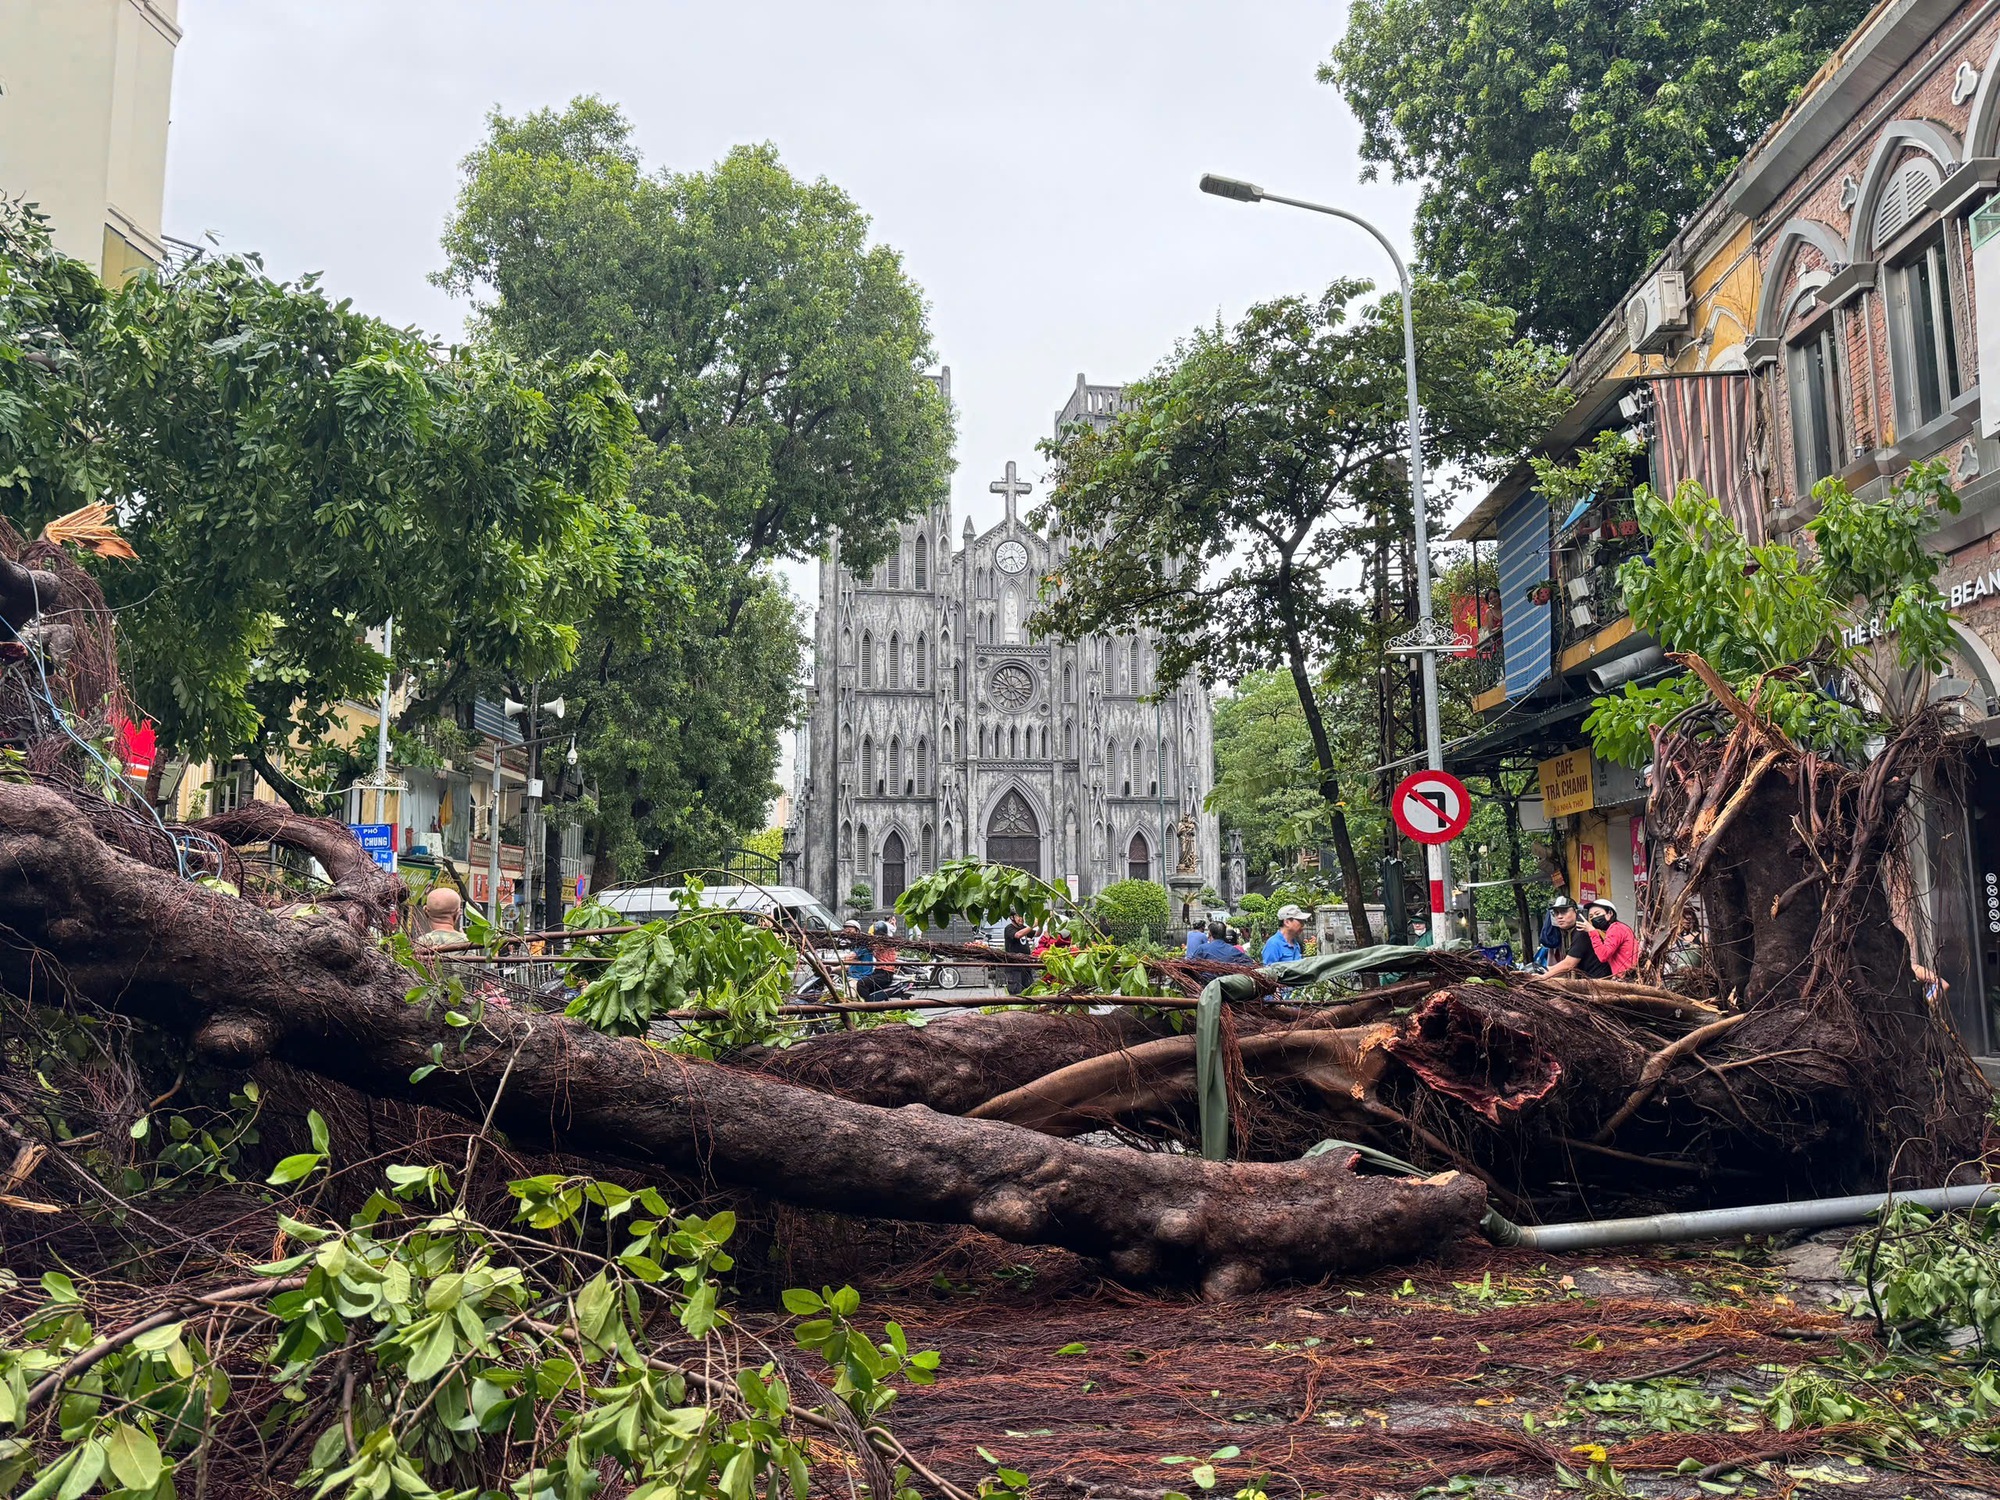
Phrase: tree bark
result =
(243, 985)
(955, 1065)
(1510, 805)
(1329, 790)
(358, 882)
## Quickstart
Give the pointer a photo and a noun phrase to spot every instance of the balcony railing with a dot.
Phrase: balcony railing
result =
(1588, 554)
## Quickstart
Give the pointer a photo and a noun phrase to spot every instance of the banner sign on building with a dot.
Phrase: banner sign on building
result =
(1566, 784)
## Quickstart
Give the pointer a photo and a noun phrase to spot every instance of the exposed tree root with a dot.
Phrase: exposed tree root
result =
(83, 921)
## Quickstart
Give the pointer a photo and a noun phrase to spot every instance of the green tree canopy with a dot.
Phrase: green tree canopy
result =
(777, 360)
(292, 472)
(1266, 775)
(1768, 620)
(1561, 145)
(1229, 507)
(759, 330)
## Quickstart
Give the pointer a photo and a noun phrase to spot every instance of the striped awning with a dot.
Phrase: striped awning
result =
(1706, 428)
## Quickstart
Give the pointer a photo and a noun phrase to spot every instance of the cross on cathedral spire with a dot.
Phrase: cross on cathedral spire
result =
(1012, 487)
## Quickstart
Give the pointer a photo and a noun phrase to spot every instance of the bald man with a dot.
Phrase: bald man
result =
(441, 911)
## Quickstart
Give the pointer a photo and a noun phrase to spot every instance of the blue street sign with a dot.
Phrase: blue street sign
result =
(379, 839)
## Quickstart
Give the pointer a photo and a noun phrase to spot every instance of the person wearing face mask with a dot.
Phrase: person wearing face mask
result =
(1615, 943)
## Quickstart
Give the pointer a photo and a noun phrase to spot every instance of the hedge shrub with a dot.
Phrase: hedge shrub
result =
(1132, 910)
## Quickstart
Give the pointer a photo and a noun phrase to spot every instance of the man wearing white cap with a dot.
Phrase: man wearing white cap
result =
(1287, 944)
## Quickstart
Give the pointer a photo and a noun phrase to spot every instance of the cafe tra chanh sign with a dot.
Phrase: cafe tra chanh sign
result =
(1566, 784)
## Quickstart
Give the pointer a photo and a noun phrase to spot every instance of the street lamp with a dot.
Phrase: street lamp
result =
(1426, 640)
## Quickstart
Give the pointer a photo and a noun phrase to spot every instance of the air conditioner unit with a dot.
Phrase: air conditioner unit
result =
(1579, 589)
(1582, 616)
(1657, 313)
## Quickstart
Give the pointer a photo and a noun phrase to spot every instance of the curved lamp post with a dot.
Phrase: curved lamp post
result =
(1426, 641)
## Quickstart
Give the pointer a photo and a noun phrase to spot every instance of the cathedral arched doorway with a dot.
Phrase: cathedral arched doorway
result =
(1013, 837)
(894, 870)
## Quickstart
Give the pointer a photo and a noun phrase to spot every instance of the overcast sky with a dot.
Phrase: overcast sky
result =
(1034, 162)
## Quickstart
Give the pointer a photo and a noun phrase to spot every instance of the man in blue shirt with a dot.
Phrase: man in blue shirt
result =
(859, 957)
(1215, 945)
(1287, 944)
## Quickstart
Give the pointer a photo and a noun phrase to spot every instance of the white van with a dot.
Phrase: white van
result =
(790, 904)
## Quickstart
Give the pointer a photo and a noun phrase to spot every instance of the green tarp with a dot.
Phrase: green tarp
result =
(1238, 988)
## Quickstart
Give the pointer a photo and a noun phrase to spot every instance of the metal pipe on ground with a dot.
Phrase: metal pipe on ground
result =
(1759, 1218)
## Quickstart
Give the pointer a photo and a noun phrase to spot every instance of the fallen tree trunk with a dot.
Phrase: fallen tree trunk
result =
(80, 921)
(950, 1066)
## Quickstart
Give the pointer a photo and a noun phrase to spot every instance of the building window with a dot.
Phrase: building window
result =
(1139, 859)
(922, 768)
(1926, 337)
(929, 847)
(895, 567)
(233, 788)
(920, 557)
(895, 661)
(919, 666)
(868, 784)
(895, 765)
(867, 659)
(1816, 405)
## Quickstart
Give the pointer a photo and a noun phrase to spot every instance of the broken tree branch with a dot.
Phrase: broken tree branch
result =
(1656, 1069)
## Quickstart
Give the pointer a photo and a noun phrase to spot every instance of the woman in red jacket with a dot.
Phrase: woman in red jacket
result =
(1615, 943)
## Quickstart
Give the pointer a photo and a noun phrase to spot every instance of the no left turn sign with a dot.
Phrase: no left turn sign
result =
(1432, 807)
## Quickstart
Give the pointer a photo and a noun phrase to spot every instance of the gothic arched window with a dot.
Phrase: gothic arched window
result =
(895, 766)
(922, 768)
(1069, 739)
(1014, 743)
(868, 787)
(895, 661)
(895, 567)
(1138, 859)
(1069, 683)
(921, 558)
(982, 742)
(957, 682)
(867, 659)
(929, 847)
(921, 666)
(1045, 742)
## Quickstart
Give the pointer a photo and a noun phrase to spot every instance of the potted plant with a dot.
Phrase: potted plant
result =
(1628, 527)
(1539, 593)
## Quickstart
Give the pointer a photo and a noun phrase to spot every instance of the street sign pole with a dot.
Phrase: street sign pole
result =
(1426, 641)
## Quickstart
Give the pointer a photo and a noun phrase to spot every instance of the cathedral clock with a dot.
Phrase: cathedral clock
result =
(1011, 556)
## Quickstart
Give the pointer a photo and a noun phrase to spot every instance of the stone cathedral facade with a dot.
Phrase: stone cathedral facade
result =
(940, 727)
